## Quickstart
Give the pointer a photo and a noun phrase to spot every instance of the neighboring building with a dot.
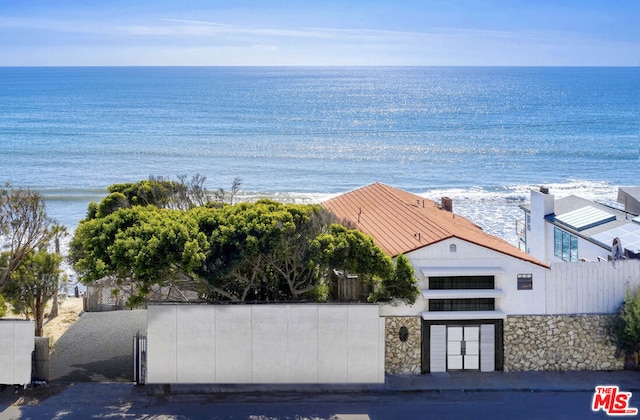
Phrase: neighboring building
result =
(574, 229)
(630, 197)
(470, 280)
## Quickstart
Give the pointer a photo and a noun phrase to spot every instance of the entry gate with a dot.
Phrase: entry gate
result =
(463, 347)
(140, 359)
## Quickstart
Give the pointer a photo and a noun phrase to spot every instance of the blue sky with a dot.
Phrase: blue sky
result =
(301, 32)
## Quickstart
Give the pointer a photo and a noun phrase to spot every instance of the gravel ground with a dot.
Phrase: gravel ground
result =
(98, 348)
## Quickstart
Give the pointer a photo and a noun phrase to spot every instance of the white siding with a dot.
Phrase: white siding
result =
(590, 288)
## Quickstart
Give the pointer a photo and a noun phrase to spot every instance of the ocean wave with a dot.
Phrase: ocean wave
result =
(601, 191)
(72, 194)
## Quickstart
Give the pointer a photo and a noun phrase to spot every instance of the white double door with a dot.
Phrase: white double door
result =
(463, 347)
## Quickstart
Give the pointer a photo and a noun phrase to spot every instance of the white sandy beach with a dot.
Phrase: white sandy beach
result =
(69, 310)
(68, 313)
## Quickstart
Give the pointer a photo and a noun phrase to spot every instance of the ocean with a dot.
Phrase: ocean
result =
(482, 136)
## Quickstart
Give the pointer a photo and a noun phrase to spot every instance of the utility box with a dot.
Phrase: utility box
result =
(17, 342)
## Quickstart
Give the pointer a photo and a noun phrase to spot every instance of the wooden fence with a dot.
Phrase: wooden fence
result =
(590, 287)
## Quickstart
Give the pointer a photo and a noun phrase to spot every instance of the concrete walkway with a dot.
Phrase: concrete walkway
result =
(98, 347)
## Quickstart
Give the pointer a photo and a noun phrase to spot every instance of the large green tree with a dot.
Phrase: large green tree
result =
(182, 194)
(3, 306)
(24, 226)
(262, 251)
(402, 285)
(143, 245)
(33, 283)
(354, 255)
(352, 251)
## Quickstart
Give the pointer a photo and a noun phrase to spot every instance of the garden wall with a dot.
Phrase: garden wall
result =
(17, 342)
(559, 343)
(403, 353)
(288, 343)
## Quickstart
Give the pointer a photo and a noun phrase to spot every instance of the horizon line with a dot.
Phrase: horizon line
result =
(314, 66)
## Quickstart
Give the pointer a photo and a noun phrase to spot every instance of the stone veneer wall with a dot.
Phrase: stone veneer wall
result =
(403, 357)
(559, 343)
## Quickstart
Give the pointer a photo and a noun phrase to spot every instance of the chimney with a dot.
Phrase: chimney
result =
(542, 205)
(447, 204)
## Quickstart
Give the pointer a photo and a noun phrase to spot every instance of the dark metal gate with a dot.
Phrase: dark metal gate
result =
(140, 359)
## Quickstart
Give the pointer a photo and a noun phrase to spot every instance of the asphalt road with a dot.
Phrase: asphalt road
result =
(116, 401)
(98, 347)
(92, 372)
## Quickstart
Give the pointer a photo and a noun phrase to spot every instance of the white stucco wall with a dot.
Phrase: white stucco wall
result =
(17, 342)
(463, 261)
(302, 343)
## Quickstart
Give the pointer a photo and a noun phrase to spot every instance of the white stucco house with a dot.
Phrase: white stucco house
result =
(470, 280)
(572, 229)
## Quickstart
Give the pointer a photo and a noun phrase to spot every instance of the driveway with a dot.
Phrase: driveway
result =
(98, 347)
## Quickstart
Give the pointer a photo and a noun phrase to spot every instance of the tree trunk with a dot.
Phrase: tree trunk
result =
(54, 305)
(39, 316)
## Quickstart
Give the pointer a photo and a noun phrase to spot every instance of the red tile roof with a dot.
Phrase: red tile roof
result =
(401, 222)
